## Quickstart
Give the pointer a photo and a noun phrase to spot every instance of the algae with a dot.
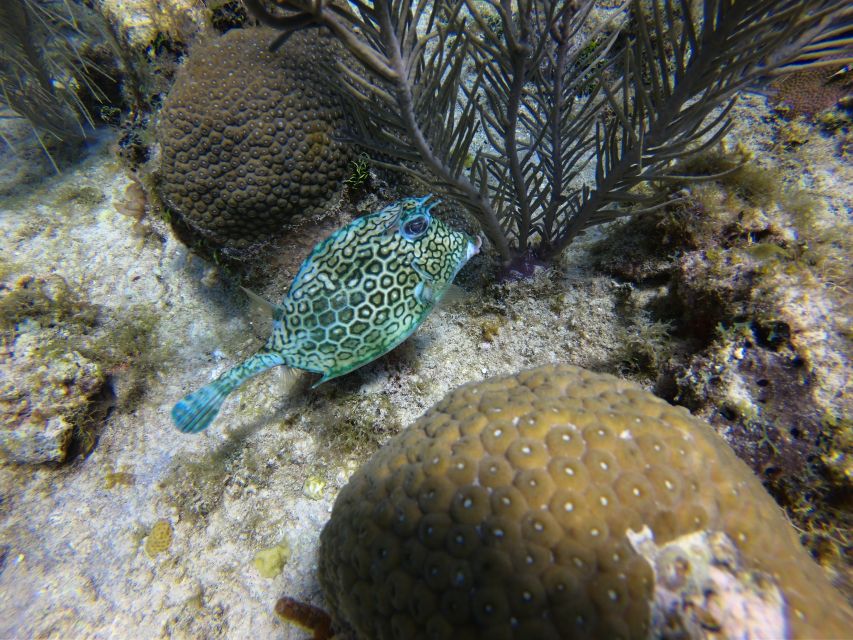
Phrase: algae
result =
(159, 538)
(118, 478)
(313, 487)
(749, 273)
(270, 562)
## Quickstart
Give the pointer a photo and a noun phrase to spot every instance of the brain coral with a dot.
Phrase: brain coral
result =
(248, 136)
(512, 510)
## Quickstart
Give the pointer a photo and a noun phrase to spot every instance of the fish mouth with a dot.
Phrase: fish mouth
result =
(473, 247)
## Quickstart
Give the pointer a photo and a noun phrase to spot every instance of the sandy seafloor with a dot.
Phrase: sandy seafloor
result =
(75, 564)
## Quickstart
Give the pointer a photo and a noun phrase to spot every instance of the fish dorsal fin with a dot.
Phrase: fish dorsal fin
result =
(274, 309)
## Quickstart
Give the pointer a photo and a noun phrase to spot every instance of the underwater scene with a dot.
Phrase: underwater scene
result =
(464, 319)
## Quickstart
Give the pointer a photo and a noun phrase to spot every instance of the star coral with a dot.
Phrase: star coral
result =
(512, 509)
(250, 138)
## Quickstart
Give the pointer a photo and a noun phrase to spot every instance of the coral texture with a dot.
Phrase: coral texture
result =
(160, 538)
(250, 137)
(510, 508)
(47, 387)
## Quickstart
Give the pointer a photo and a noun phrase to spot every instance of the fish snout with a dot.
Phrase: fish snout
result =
(473, 247)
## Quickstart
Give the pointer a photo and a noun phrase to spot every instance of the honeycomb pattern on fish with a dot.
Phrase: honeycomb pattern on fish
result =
(360, 293)
(350, 301)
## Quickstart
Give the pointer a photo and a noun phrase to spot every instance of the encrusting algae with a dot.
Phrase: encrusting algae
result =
(159, 539)
(270, 562)
(531, 506)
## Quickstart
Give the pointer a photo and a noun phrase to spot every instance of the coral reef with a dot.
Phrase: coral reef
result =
(510, 510)
(750, 272)
(250, 138)
(49, 390)
(569, 121)
(66, 362)
(43, 407)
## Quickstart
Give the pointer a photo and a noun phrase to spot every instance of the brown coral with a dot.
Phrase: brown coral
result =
(250, 138)
(516, 508)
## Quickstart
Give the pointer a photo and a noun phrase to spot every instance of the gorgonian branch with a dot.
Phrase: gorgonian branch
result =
(405, 105)
(676, 86)
(556, 101)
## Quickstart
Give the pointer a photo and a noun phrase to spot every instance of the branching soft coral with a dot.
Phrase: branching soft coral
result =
(658, 87)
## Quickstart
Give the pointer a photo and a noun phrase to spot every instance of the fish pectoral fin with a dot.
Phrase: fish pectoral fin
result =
(424, 290)
(425, 294)
(274, 309)
(453, 294)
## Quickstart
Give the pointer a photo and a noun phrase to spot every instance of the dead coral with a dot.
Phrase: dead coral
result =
(66, 359)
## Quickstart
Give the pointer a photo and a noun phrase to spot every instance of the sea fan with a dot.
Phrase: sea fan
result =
(43, 72)
(556, 99)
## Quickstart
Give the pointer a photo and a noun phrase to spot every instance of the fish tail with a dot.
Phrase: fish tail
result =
(194, 412)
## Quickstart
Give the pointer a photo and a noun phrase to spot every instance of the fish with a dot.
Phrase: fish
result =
(362, 291)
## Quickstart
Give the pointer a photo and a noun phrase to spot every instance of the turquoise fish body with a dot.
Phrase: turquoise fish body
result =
(361, 292)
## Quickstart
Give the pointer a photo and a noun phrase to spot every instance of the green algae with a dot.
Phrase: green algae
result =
(270, 562)
(644, 346)
(86, 197)
(118, 478)
(49, 301)
(353, 424)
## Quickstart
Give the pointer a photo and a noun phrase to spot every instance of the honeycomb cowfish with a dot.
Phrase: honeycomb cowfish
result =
(360, 293)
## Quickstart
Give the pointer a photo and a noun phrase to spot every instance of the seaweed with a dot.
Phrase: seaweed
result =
(580, 120)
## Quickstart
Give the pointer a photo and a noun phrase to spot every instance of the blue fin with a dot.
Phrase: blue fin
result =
(196, 411)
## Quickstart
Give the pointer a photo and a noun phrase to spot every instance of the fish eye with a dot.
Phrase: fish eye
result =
(415, 227)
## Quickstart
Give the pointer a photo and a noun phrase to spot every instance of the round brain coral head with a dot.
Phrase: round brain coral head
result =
(560, 503)
(250, 138)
